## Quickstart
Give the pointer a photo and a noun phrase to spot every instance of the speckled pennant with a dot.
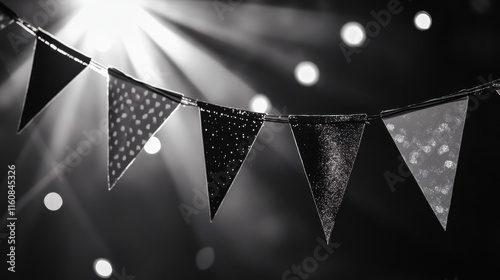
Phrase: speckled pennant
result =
(328, 146)
(429, 141)
(228, 135)
(136, 112)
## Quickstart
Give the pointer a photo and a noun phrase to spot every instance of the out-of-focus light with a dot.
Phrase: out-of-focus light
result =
(260, 103)
(103, 268)
(353, 34)
(205, 258)
(53, 201)
(153, 146)
(481, 6)
(307, 73)
(423, 20)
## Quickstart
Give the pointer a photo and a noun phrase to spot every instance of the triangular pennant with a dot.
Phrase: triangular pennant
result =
(54, 66)
(7, 16)
(136, 111)
(228, 135)
(328, 146)
(429, 141)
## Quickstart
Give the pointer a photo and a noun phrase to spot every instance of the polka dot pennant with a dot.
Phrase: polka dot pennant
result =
(228, 135)
(135, 114)
(429, 141)
(328, 146)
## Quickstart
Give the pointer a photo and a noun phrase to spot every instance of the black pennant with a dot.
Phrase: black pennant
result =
(228, 135)
(328, 146)
(136, 111)
(54, 66)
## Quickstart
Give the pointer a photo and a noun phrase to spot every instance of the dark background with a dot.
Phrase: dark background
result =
(268, 221)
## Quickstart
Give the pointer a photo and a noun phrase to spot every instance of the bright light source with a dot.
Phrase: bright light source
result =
(53, 201)
(353, 34)
(106, 21)
(99, 40)
(205, 258)
(153, 146)
(307, 73)
(423, 20)
(260, 103)
(103, 268)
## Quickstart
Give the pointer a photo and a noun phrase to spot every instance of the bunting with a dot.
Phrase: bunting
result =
(228, 136)
(429, 141)
(328, 146)
(55, 65)
(428, 135)
(136, 111)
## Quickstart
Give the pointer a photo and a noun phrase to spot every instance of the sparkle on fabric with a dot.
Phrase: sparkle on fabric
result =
(328, 146)
(228, 135)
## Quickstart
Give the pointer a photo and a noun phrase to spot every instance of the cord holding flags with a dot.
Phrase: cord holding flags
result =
(428, 134)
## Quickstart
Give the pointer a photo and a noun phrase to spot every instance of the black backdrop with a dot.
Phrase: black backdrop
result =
(268, 222)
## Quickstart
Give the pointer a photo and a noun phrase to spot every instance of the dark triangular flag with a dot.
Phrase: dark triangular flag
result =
(328, 146)
(228, 135)
(429, 141)
(54, 66)
(7, 16)
(136, 112)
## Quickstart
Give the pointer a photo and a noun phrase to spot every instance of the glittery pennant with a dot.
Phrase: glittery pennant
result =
(328, 146)
(228, 135)
(52, 71)
(429, 141)
(136, 112)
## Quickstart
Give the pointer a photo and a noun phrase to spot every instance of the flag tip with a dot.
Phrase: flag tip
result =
(21, 127)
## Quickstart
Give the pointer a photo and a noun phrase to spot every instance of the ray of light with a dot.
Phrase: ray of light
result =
(15, 84)
(46, 180)
(242, 31)
(209, 76)
(142, 53)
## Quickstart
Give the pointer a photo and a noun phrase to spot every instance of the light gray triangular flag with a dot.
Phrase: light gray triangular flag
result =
(429, 141)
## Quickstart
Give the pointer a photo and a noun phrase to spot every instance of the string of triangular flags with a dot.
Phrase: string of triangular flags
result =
(428, 135)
